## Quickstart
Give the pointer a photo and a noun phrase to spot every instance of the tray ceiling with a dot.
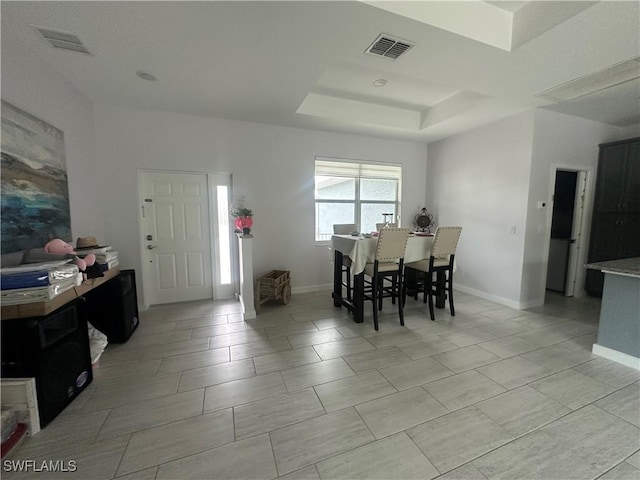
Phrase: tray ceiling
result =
(304, 64)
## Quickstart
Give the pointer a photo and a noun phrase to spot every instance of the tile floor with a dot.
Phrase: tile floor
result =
(302, 392)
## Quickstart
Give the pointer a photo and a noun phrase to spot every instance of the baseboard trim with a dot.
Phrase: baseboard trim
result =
(531, 303)
(487, 296)
(248, 310)
(312, 289)
(616, 356)
(478, 293)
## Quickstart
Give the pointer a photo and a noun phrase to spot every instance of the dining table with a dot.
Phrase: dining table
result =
(362, 250)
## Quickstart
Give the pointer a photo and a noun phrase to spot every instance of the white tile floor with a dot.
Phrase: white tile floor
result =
(303, 392)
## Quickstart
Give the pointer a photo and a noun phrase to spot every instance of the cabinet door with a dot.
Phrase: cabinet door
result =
(594, 283)
(629, 236)
(604, 245)
(604, 237)
(611, 178)
(631, 201)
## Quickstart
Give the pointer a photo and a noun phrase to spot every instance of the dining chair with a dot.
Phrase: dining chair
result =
(443, 250)
(387, 265)
(345, 272)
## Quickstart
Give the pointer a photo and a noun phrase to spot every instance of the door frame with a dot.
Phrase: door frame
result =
(220, 291)
(582, 242)
(213, 238)
(576, 226)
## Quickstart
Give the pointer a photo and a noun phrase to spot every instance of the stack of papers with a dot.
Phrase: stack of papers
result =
(105, 255)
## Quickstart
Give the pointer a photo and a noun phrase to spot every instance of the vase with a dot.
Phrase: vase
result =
(244, 224)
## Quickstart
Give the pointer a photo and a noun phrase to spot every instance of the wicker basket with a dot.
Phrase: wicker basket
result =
(275, 285)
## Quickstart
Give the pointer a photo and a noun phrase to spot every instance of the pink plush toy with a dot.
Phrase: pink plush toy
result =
(61, 247)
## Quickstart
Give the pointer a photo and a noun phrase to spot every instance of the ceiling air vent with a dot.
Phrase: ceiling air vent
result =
(388, 46)
(63, 40)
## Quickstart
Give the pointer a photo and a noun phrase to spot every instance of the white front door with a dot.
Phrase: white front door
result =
(176, 237)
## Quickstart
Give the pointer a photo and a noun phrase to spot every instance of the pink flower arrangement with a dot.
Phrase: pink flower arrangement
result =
(243, 216)
(243, 222)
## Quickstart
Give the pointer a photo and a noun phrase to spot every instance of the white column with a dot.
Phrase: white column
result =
(245, 252)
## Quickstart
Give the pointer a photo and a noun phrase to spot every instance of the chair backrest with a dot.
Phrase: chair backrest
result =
(379, 226)
(344, 228)
(392, 242)
(445, 241)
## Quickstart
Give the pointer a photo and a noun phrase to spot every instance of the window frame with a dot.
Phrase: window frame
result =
(365, 170)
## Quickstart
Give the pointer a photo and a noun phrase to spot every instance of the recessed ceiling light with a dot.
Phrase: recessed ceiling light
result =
(381, 82)
(146, 75)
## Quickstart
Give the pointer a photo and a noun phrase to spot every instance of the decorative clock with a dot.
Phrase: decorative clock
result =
(423, 221)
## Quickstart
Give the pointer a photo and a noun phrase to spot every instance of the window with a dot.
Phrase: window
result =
(354, 192)
(224, 250)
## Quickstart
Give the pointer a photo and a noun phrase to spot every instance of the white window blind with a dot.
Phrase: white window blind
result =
(355, 192)
(347, 168)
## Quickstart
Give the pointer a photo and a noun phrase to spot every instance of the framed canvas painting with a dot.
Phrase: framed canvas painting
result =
(35, 190)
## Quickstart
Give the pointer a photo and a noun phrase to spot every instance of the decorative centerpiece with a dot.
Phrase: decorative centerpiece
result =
(423, 221)
(243, 217)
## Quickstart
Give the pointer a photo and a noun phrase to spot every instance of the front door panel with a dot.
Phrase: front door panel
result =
(176, 218)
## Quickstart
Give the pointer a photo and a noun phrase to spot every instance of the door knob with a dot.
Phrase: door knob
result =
(151, 247)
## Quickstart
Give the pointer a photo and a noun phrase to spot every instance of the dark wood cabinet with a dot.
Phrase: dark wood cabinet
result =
(615, 226)
(631, 203)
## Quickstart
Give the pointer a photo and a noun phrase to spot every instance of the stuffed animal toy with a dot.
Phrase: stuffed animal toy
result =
(61, 247)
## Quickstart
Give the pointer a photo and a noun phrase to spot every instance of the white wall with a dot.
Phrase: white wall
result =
(272, 167)
(485, 180)
(559, 141)
(36, 88)
(480, 180)
(630, 132)
(494, 177)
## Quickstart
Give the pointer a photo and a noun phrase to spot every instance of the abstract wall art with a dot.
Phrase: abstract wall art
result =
(35, 192)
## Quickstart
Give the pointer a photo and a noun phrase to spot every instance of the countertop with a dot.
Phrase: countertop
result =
(624, 266)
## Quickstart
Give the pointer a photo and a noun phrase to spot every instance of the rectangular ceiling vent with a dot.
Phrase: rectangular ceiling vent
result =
(63, 40)
(388, 46)
(595, 82)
